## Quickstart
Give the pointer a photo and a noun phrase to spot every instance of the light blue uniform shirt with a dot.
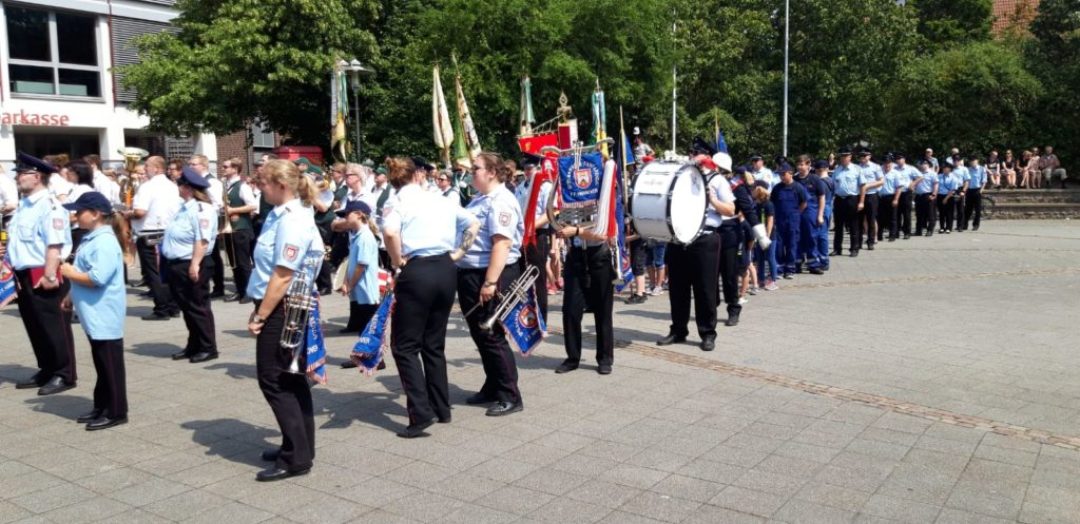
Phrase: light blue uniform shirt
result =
(871, 173)
(904, 176)
(892, 182)
(948, 183)
(364, 251)
(499, 214)
(429, 223)
(289, 239)
(102, 307)
(848, 180)
(926, 184)
(524, 191)
(977, 177)
(39, 222)
(194, 222)
(963, 174)
(768, 176)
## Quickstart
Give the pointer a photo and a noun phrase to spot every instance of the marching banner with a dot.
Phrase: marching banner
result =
(7, 284)
(524, 325)
(316, 346)
(369, 348)
(580, 181)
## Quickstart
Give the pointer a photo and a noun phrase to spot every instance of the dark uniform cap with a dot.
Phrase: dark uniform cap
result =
(192, 178)
(740, 170)
(897, 155)
(422, 162)
(889, 157)
(844, 151)
(865, 152)
(530, 160)
(25, 163)
(784, 168)
(821, 164)
(702, 147)
(91, 200)
(755, 157)
(355, 205)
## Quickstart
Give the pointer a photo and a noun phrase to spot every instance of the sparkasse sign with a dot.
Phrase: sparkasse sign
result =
(22, 118)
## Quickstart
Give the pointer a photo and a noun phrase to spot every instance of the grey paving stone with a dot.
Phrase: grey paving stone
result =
(515, 500)
(955, 516)
(748, 501)
(473, 514)
(706, 514)
(562, 509)
(603, 493)
(551, 481)
(660, 507)
(148, 491)
(233, 513)
(634, 476)
(970, 497)
(900, 510)
(426, 507)
(186, 505)
(52, 498)
(833, 496)
(688, 488)
(799, 511)
(1038, 514)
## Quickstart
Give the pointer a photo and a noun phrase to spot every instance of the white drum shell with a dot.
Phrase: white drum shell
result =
(668, 202)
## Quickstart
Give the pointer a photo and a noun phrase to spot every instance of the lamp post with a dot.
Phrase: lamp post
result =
(356, 70)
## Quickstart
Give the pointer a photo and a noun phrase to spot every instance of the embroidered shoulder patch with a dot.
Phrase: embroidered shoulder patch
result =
(504, 219)
(290, 252)
(58, 224)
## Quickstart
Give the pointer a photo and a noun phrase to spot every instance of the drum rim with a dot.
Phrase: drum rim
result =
(667, 205)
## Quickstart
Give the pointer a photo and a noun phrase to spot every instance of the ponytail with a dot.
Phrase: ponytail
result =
(306, 191)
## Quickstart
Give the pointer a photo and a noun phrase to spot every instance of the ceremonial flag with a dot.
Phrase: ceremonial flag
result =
(7, 284)
(369, 348)
(626, 158)
(599, 116)
(472, 141)
(524, 325)
(316, 346)
(339, 110)
(624, 270)
(440, 117)
(721, 144)
(526, 108)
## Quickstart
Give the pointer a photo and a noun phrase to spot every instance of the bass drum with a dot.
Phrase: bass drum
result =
(668, 202)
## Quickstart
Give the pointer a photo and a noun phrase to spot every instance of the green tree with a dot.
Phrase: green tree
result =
(1056, 58)
(972, 96)
(944, 23)
(233, 61)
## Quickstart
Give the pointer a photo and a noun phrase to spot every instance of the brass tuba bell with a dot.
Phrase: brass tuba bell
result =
(132, 157)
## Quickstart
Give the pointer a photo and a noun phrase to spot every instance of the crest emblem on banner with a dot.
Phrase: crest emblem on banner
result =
(583, 177)
(527, 317)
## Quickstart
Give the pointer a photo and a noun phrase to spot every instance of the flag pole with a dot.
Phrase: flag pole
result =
(674, 88)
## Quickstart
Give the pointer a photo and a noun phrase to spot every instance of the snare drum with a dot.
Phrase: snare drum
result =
(669, 201)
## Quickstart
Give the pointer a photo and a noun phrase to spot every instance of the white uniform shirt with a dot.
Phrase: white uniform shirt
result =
(105, 186)
(58, 186)
(160, 198)
(215, 191)
(9, 192)
(721, 188)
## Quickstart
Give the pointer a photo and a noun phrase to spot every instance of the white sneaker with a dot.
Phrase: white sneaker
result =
(743, 300)
(657, 290)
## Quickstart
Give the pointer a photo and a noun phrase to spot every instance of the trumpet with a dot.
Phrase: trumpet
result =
(517, 293)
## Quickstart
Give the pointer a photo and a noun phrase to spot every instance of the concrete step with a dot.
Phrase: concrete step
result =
(1031, 210)
(1002, 196)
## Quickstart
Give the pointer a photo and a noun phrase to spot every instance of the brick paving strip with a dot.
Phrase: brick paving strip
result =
(936, 278)
(878, 401)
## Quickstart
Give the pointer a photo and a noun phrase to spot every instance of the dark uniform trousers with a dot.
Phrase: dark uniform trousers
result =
(903, 213)
(731, 241)
(325, 279)
(925, 214)
(870, 213)
(958, 201)
(846, 209)
(110, 393)
(695, 268)
(589, 281)
(48, 327)
(218, 269)
(537, 255)
(423, 294)
(194, 301)
(500, 369)
(945, 213)
(973, 207)
(887, 215)
(360, 315)
(164, 303)
(238, 249)
(288, 394)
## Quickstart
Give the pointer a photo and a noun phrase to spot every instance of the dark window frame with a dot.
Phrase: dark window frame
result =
(54, 64)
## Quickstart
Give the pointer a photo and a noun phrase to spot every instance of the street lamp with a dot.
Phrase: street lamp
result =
(356, 70)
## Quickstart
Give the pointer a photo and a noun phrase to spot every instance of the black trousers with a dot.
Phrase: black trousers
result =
(424, 294)
(359, 315)
(238, 249)
(694, 268)
(500, 369)
(731, 242)
(194, 301)
(870, 214)
(218, 269)
(288, 394)
(973, 207)
(164, 303)
(110, 392)
(904, 213)
(945, 213)
(925, 214)
(339, 248)
(325, 279)
(589, 281)
(846, 210)
(958, 201)
(886, 216)
(537, 255)
(48, 327)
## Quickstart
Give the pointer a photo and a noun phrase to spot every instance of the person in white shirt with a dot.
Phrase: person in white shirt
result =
(102, 183)
(216, 192)
(9, 195)
(153, 207)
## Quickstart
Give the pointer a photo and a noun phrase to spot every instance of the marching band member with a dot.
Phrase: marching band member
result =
(362, 272)
(288, 240)
(730, 237)
(889, 196)
(81, 177)
(216, 192)
(188, 268)
(241, 204)
(536, 252)
(947, 185)
(445, 181)
(419, 229)
(925, 186)
(973, 199)
(963, 176)
(154, 205)
(695, 267)
(99, 297)
(490, 265)
(849, 181)
(905, 176)
(39, 238)
(872, 179)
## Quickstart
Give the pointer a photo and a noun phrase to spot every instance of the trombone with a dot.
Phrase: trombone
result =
(517, 293)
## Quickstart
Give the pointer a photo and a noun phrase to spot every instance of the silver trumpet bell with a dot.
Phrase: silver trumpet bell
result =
(517, 293)
(299, 303)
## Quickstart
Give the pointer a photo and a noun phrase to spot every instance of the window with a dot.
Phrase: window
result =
(260, 137)
(52, 53)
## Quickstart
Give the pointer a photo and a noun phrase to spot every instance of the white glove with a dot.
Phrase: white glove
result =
(763, 240)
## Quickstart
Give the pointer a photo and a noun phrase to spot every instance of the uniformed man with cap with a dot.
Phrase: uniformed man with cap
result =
(762, 173)
(188, 266)
(888, 219)
(39, 239)
(849, 181)
(925, 187)
(216, 191)
(872, 180)
(536, 253)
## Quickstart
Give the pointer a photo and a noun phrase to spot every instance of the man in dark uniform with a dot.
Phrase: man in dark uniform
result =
(240, 202)
(39, 240)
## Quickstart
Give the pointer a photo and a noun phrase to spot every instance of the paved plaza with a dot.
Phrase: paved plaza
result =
(931, 380)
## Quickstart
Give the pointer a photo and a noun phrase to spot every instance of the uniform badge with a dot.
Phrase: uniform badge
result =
(527, 317)
(290, 252)
(204, 223)
(504, 219)
(583, 177)
(58, 224)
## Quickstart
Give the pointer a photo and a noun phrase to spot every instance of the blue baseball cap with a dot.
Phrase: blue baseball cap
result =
(355, 205)
(821, 164)
(192, 178)
(91, 200)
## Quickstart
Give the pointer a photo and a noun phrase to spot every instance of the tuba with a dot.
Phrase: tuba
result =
(299, 303)
(132, 157)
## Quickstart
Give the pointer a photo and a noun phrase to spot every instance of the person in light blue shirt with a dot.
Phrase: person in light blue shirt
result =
(869, 199)
(762, 173)
(187, 265)
(906, 174)
(99, 296)
(973, 198)
(947, 185)
(849, 181)
(39, 237)
(361, 283)
(925, 186)
(889, 200)
(963, 177)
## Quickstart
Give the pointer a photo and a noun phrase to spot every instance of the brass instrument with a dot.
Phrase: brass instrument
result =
(585, 216)
(299, 303)
(132, 157)
(517, 293)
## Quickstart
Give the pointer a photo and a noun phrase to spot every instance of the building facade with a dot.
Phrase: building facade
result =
(60, 91)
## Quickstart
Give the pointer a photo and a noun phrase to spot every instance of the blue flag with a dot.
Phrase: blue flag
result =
(721, 144)
(368, 350)
(581, 185)
(524, 325)
(316, 346)
(622, 256)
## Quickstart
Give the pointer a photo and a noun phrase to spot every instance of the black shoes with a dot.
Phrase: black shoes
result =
(477, 399)
(244, 300)
(854, 254)
(90, 417)
(671, 339)
(271, 455)
(181, 355)
(907, 237)
(637, 299)
(502, 407)
(105, 423)
(733, 320)
(870, 247)
(835, 253)
(566, 367)
(202, 356)
(156, 316)
(238, 298)
(348, 364)
(273, 474)
(53, 386)
(416, 430)
(604, 369)
(816, 271)
(708, 344)
(217, 294)
(31, 383)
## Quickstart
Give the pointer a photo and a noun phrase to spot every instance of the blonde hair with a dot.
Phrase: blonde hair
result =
(288, 175)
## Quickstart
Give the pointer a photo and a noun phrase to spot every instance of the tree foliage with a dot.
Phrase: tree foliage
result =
(944, 23)
(1056, 54)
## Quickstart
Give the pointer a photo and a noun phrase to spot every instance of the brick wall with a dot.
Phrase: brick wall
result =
(232, 145)
(1014, 14)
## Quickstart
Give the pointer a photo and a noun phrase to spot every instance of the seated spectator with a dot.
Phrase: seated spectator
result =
(1050, 167)
(993, 169)
(1008, 169)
